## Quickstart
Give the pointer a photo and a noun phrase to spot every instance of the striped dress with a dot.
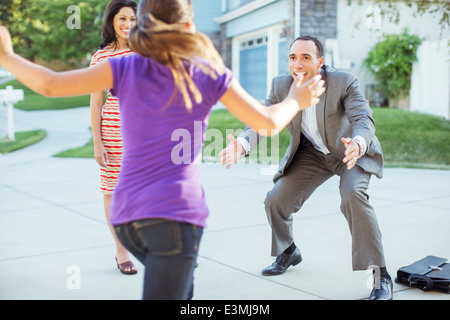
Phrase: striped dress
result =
(110, 129)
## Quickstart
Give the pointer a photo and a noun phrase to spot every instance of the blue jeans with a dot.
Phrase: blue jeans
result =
(168, 250)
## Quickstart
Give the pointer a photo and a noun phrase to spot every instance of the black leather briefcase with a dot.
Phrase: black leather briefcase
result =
(429, 273)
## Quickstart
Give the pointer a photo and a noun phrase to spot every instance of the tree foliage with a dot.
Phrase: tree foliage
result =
(41, 29)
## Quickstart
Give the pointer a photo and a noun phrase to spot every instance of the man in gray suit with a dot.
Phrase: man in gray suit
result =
(335, 137)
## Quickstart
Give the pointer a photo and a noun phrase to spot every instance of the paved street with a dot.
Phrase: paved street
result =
(55, 244)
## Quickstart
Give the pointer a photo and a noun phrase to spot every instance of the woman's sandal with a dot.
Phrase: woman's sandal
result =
(126, 265)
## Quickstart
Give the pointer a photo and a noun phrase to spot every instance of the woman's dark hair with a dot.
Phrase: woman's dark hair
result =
(108, 33)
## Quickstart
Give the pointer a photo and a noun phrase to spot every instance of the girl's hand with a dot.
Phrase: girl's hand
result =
(6, 47)
(309, 93)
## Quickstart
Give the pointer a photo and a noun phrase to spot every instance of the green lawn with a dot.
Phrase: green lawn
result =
(21, 140)
(33, 101)
(225, 122)
(411, 139)
(408, 139)
(86, 151)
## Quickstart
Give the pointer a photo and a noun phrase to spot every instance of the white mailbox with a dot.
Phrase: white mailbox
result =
(9, 97)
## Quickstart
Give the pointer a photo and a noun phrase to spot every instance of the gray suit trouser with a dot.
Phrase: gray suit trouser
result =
(307, 171)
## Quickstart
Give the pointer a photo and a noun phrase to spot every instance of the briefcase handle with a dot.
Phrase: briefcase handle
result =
(415, 278)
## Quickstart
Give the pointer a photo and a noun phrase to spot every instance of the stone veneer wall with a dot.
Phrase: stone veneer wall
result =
(319, 19)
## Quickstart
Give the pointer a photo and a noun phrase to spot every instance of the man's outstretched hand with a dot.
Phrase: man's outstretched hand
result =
(351, 152)
(231, 154)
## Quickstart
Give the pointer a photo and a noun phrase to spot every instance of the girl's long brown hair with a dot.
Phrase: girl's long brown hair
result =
(161, 33)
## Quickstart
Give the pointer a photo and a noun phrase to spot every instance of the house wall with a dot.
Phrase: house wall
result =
(255, 40)
(430, 79)
(319, 19)
(266, 16)
(356, 35)
(281, 21)
(347, 35)
(204, 13)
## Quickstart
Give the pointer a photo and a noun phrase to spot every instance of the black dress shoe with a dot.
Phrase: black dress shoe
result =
(282, 262)
(384, 291)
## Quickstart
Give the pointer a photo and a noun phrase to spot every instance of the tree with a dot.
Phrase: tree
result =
(11, 15)
(5, 10)
(46, 29)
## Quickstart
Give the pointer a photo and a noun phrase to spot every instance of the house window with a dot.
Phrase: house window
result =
(283, 55)
(260, 58)
(255, 42)
(253, 66)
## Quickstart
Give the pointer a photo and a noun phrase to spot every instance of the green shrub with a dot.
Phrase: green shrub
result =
(391, 61)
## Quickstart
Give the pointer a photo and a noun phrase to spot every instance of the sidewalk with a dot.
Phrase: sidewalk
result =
(55, 243)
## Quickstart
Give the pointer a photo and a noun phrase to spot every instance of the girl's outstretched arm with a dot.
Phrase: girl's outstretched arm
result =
(50, 83)
(270, 121)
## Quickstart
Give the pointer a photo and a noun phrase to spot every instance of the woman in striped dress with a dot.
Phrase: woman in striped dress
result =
(119, 18)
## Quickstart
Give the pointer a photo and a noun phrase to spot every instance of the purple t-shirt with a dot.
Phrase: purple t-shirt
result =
(160, 172)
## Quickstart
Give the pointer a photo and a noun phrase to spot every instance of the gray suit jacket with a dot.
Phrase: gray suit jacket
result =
(342, 112)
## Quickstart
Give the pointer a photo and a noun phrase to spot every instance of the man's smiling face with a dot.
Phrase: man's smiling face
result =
(303, 59)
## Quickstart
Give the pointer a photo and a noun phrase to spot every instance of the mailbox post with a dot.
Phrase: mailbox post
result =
(9, 97)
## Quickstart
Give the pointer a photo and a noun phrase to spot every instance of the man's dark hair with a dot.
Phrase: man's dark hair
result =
(313, 39)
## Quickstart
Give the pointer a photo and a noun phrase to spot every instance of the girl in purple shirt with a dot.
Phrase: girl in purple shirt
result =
(166, 92)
